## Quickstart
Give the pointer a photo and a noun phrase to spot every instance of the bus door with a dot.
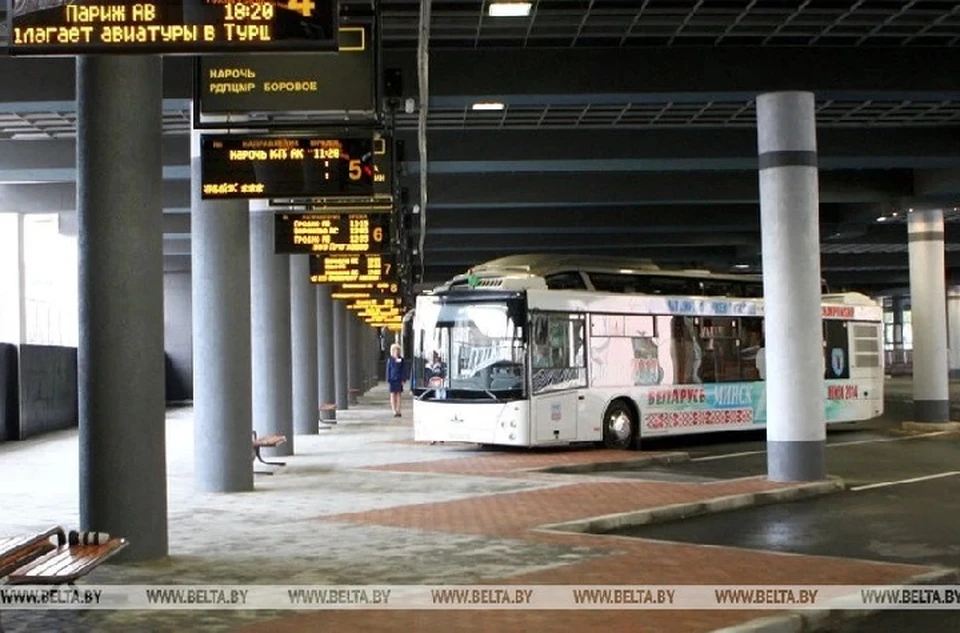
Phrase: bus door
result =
(558, 374)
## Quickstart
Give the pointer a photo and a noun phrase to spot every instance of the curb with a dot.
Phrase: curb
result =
(605, 467)
(648, 516)
(930, 426)
(815, 620)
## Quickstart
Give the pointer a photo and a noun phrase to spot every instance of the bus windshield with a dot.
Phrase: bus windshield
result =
(469, 350)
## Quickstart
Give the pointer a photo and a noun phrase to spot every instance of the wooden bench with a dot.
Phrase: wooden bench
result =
(38, 560)
(325, 413)
(267, 441)
(17, 551)
(66, 563)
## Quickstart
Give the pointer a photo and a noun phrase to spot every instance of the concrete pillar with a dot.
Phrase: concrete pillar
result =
(220, 268)
(371, 338)
(340, 316)
(325, 355)
(953, 330)
(928, 310)
(789, 199)
(303, 331)
(21, 283)
(270, 331)
(897, 310)
(123, 473)
(354, 357)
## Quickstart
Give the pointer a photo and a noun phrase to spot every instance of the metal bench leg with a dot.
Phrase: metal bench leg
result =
(262, 461)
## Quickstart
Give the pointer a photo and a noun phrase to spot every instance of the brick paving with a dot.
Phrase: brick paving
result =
(521, 515)
(351, 509)
(513, 514)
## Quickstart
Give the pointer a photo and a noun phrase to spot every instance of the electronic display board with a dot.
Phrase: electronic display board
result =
(295, 84)
(364, 290)
(381, 200)
(171, 27)
(376, 307)
(331, 233)
(258, 167)
(351, 268)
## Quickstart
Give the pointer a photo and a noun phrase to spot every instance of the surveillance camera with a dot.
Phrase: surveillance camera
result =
(409, 105)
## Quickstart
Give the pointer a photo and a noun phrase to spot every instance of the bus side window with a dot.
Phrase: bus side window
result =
(721, 355)
(751, 346)
(686, 351)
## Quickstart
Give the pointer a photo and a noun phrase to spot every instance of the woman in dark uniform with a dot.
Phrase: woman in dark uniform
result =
(395, 378)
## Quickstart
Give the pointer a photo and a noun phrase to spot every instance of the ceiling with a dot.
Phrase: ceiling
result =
(627, 128)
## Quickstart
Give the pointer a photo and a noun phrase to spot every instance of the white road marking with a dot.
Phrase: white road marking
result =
(890, 439)
(884, 484)
(709, 458)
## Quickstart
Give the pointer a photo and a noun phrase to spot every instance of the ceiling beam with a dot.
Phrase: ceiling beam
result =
(658, 149)
(460, 76)
(479, 190)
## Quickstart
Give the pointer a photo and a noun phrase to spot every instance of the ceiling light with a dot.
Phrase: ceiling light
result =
(509, 9)
(627, 271)
(882, 218)
(741, 266)
(488, 105)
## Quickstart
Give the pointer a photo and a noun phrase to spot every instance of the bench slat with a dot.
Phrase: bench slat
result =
(10, 544)
(61, 564)
(270, 440)
(17, 551)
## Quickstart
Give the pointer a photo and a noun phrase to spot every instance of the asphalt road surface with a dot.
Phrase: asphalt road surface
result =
(902, 505)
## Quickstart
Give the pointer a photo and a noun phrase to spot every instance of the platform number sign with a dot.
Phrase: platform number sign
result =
(303, 7)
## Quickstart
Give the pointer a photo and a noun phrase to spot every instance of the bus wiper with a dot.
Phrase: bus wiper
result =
(425, 392)
(491, 394)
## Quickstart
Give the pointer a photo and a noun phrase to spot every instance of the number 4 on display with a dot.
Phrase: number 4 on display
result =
(303, 7)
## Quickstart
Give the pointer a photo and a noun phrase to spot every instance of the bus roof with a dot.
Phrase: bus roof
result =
(529, 268)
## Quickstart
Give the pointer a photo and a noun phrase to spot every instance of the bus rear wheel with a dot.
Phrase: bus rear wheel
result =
(619, 426)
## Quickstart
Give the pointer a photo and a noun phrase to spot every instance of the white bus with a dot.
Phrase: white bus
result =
(534, 354)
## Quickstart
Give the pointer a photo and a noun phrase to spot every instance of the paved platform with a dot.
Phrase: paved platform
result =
(362, 504)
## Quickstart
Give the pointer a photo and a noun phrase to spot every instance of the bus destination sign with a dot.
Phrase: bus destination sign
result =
(172, 27)
(316, 233)
(258, 167)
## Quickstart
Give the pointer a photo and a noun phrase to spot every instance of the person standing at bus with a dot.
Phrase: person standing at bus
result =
(435, 370)
(395, 378)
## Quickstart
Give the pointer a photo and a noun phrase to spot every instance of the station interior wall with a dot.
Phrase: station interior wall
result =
(38, 383)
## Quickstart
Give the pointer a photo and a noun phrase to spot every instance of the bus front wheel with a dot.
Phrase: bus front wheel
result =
(619, 426)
